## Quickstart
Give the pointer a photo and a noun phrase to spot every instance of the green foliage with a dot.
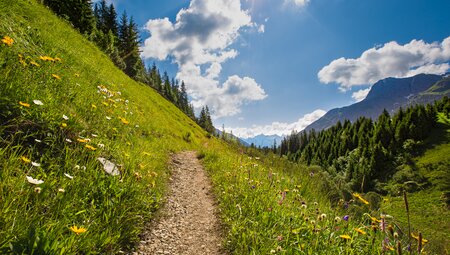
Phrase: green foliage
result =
(370, 154)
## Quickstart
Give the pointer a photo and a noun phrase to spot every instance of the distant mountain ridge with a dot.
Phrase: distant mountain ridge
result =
(389, 94)
(263, 140)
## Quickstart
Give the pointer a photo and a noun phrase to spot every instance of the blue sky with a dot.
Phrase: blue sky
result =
(269, 66)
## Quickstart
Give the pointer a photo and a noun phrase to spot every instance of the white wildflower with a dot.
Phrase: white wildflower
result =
(34, 181)
(108, 118)
(35, 164)
(61, 190)
(38, 102)
(65, 117)
(68, 140)
(68, 176)
(101, 145)
(38, 141)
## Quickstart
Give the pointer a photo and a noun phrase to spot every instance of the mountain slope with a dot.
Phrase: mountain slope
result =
(63, 104)
(389, 94)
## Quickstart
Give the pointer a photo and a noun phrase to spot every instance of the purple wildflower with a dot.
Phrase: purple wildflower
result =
(345, 217)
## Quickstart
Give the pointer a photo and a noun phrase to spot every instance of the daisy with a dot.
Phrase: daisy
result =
(34, 181)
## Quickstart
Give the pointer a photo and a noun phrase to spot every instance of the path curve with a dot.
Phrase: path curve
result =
(188, 222)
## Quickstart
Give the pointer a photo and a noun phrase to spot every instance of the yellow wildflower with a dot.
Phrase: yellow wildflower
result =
(7, 40)
(124, 121)
(25, 159)
(77, 230)
(77, 75)
(105, 103)
(34, 63)
(94, 106)
(63, 125)
(90, 147)
(56, 76)
(424, 241)
(358, 196)
(362, 232)
(82, 140)
(24, 104)
(345, 237)
(146, 153)
(57, 59)
(46, 58)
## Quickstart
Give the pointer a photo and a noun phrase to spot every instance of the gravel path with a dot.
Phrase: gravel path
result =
(188, 222)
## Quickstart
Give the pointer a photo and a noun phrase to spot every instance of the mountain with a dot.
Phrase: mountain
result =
(263, 140)
(389, 94)
(233, 137)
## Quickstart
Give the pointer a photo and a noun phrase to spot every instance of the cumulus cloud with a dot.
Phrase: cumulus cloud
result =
(360, 94)
(278, 128)
(388, 60)
(199, 42)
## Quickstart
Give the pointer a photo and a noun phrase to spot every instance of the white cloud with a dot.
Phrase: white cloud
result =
(261, 28)
(278, 128)
(199, 42)
(389, 60)
(360, 94)
(299, 3)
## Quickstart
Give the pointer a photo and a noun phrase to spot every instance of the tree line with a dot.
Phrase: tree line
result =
(119, 39)
(363, 155)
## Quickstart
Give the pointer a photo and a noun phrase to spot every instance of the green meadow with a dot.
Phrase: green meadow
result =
(64, 105)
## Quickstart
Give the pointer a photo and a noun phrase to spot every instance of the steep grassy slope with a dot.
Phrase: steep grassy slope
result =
(87, 109)
(430, 213)
(106, 114)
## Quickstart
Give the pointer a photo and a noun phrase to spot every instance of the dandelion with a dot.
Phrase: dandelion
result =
(7, 40)
(81, 140)
(25, 159)
(38, 102)
(360, 198)
(56, 76)
(46, 58)
(61, 190)
(68, 176)
(362, 232)
(35, 164)
(124, 121)
(63, 125)
(90, 147)
(34, 181)
(77, 230)
(345, 237)
(38, 190)
(24, 104)
(34, 63)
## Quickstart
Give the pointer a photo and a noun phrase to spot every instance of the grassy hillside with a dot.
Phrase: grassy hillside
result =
(106, 114)
(430, 213)
(64, 104)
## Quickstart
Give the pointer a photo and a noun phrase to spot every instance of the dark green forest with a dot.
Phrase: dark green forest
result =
(366, 155)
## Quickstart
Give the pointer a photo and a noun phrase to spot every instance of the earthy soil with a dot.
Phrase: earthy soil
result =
(188, 223)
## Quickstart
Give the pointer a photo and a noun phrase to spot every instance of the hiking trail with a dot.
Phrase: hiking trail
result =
(188, 222)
